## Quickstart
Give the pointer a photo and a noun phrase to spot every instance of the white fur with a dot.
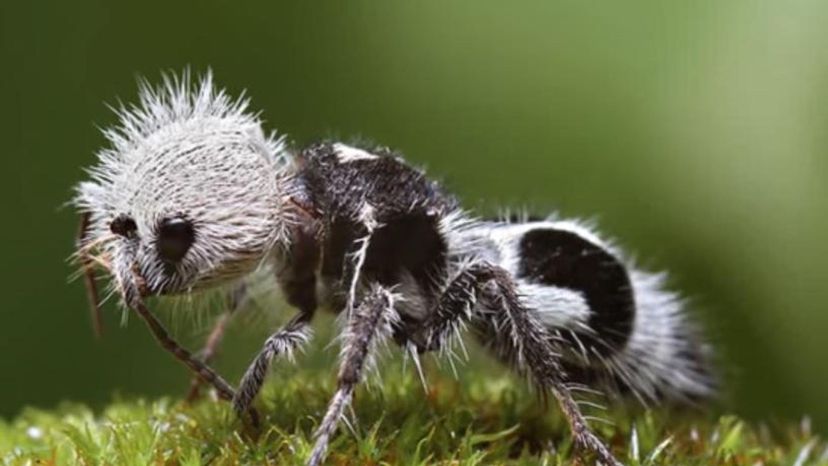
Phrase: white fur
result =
(653, 358)
(557, 307)
(498, 243)
(347, 154)
(193, 151)
(460, 231)
(367, 219)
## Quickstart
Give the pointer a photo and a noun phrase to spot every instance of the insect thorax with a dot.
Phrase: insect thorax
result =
(353, 194)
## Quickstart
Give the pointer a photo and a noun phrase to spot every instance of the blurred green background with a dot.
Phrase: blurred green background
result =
(695, 132)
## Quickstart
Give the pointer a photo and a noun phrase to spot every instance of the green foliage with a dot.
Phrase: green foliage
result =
(469, 421)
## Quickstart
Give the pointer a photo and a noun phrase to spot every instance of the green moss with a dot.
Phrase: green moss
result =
(474, 420)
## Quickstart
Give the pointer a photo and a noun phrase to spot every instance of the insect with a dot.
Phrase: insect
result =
(192, 194)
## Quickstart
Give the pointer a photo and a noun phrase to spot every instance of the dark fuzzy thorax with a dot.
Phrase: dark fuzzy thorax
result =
(405, 206)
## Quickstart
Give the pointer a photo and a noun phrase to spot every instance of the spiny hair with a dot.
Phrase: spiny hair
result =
(192, 194)
(665, 358)
(187, 150)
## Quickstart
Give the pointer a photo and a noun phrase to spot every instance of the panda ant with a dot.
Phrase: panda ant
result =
(192, 194)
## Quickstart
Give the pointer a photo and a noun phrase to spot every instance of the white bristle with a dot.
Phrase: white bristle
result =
(188, 149)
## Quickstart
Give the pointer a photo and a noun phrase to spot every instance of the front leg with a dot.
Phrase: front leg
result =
(368, 324)
(298, 282)
(284, 342)
(211, 345)
(202, 370)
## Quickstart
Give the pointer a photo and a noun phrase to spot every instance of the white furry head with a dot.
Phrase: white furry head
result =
(189, 175)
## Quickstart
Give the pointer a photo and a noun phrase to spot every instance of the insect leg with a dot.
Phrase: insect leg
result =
(203, 371)
(528, 344)
(455, 306)
(210, 348)
(290, 337)
(89, 275)
(517, 334)
(368, 324)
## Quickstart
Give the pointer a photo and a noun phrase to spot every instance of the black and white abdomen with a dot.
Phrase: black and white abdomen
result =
(577, 287)
(558, 262)
(613, 324)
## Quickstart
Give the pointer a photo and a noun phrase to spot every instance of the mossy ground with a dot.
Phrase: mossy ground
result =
(473, 420)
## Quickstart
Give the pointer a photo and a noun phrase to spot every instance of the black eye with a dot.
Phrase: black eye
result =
(123, 225)
(175, 236)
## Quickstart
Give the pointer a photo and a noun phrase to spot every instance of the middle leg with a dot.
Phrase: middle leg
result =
(369, 324)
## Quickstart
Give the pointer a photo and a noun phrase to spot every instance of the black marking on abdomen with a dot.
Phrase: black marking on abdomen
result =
(564, 259)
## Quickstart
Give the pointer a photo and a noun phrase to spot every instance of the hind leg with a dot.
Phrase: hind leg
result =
(486, 296)
(526, 342)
